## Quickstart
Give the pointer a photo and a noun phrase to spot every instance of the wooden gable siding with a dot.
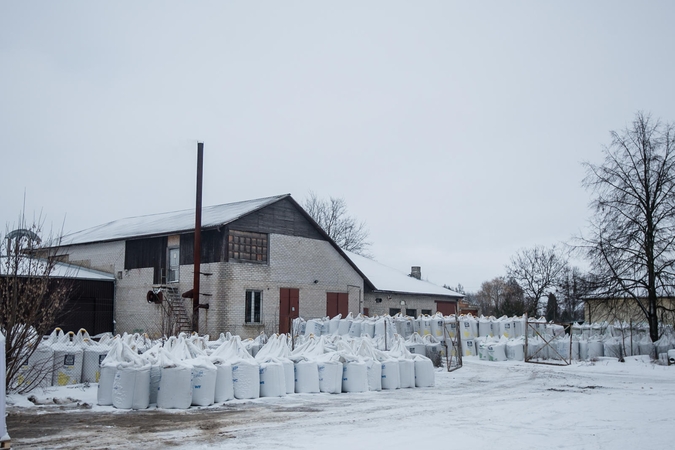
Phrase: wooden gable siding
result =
(213, 247)
(149, 252)
(281, 217)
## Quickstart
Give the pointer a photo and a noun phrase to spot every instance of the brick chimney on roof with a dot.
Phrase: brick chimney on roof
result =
(416, 272)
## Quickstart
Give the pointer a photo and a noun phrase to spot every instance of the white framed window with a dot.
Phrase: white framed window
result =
(253, 312)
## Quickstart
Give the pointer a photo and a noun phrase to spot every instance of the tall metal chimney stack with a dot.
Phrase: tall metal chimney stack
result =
(416, 272)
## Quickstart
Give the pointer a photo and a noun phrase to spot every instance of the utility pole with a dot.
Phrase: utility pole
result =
(198, 239)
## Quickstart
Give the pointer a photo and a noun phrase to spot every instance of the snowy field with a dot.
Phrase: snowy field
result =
(589, 405)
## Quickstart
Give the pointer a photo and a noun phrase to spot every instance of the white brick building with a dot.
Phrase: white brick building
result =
(263, 262)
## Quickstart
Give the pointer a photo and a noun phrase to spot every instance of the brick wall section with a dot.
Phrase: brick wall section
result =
(294, 262)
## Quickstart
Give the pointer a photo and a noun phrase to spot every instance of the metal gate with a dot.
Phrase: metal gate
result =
(453, 344)
(553, 357)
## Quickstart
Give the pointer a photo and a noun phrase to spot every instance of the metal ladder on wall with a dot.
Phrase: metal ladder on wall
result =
(178, 318)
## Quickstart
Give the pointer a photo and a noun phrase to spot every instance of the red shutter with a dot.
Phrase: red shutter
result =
(446, 308)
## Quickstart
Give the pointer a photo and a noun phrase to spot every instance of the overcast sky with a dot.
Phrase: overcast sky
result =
(455, 130)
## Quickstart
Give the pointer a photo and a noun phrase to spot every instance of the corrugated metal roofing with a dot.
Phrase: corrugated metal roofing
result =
(391, 280)
(166, 223)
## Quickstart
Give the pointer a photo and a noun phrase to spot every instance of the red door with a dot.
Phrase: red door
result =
(337, 303)
(289, 308)
(446, 308)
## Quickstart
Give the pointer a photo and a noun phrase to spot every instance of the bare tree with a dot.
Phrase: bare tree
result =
(631, 241)
(30, 299)
(537, 270)
(348, 233)
(573, 287)
(500, 296)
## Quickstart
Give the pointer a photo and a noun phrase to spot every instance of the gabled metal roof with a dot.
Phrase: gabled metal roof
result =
(168, 223)
(386, 279)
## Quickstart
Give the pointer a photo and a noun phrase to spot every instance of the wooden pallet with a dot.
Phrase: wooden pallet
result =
(6, 444)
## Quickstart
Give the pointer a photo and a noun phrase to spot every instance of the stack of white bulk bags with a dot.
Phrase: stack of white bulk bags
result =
(68, 357)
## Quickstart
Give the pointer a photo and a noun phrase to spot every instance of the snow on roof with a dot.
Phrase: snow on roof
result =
(62, 270)
(391, 280)
(171, 222)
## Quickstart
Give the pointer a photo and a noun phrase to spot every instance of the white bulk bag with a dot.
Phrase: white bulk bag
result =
(67, 364)
(37, 370)
(519, 326)
(355, 329)
(354, 376)
(424, 371)
(468, 327)
(224, 385)
(437, 323)
(374, 374)
(450, 327)
(583, 349)
(645, 346)
(596, 347)
(484, 327)
(204, 374)
(482, 345)
(272, 379)
(306, 377)
(334, 324)
(246, 379)
(612, 347)
(515, 349)
(391, 375)
(425, 325)
(104, 395)
(93, 356)
(131, 387)
(368, 328)
(330, 375)
(314, 326)
(469, 347)
(496, 351)
(175, 387)
(345, 325)
(406, 372)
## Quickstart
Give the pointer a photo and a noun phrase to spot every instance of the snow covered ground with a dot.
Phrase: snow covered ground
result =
(589, 405)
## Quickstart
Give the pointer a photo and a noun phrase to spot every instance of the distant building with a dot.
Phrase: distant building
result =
(391, 291)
